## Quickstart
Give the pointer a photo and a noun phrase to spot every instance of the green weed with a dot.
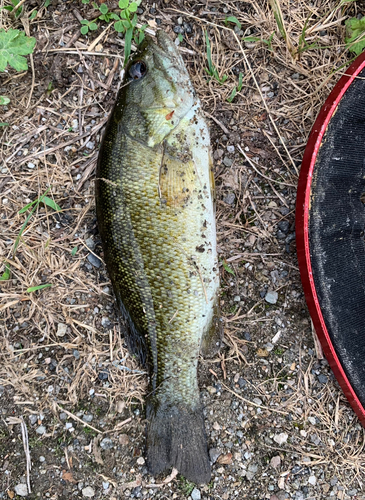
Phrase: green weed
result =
(13, 46)
(13, 8)
(88, 25)
(6, 274)
(236, 89)
(355, 35)
(267, 42)
(212, 70)
(4, 100)
(38, 287)
(185, 486)
(227, 268)
(124, 22)
(234, 20)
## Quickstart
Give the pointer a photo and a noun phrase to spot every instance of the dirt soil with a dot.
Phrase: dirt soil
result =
(278, 425)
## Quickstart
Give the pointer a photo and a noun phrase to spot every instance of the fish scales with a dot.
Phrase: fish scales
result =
(154, 194)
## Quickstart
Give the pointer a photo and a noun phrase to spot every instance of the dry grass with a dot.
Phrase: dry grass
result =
(43, 149)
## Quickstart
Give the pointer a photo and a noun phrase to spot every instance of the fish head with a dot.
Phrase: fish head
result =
(157, 92)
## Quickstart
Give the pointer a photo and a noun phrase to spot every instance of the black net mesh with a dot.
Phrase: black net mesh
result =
(336, 232)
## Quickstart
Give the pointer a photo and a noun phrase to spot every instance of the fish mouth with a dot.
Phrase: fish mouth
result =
(164, 47)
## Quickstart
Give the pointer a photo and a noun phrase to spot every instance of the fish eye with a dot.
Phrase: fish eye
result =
(138, 70)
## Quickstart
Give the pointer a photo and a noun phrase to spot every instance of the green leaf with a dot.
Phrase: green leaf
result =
(355, 28)
(84, 30)
(93, 26)
(251, 39)
(103, 8)
(4, 124)
(114, 16)
(227, 268)
(38, 287)
(85, 1)
(13, 45)
(233, 94)
(119, 27)
(233, 19)
(209, 53)
(47, 201)
(180, 37)
(123, 4)
(4, 100)
(133, 7)
(74, 250)
(134, 20)
(128, 44)
(6, 274)
(240, 82)
(33, 15)
(52, 204)
(46, 3)
(85, 21)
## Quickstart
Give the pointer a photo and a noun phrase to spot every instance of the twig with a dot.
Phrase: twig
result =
(17, 420)
(55, 405)
(92, 45)
(26, 451)
(260, 173)
(252, 403)
(220, 124)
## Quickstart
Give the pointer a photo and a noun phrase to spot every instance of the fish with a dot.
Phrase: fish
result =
(155, 206)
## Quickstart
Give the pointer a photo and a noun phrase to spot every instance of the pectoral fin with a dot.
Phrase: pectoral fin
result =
(160, 122)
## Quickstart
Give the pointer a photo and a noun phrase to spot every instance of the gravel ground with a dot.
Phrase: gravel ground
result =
(278, 425)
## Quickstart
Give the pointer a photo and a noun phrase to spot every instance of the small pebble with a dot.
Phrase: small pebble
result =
(33, 419)
(105, 322)
(275, 461)
(230, 149)
(229, 199)
(284, 226)
(90, 243)
(41, 430)
(61, 330)
(42, 459)
(214, 453)
(281, 438)
(90, 145)
(195, 494)
(88, 492)
(105, 485)
(106, 444)
(140, 461)
(322, 379)
(94, 260)
(312, 480)
(271, 297)
(103, 375)
(21, 490)
(31, 165)
(227, 161)
(76, 354)
(87, 418)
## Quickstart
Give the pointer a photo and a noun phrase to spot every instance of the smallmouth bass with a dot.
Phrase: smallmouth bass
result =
(156, 217)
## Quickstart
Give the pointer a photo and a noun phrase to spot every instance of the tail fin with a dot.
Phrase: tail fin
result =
(176, 438)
